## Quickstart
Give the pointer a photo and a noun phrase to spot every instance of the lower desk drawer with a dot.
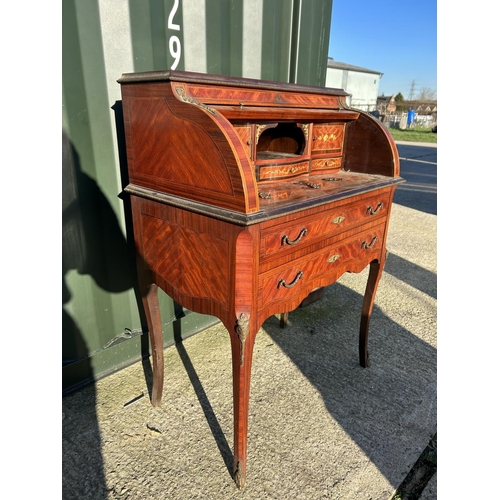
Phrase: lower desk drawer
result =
(290, 283)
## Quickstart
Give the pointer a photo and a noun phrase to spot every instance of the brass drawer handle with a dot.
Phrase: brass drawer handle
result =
(286, 241)
(367, 246)
(282, 282)
(376, 211)
(312, 185)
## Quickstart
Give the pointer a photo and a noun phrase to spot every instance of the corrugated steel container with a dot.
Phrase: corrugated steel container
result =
(283, 40)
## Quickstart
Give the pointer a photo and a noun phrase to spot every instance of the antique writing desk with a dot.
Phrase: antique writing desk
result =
(246, 196)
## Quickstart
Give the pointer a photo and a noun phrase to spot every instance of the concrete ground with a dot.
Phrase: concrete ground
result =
(320, 426)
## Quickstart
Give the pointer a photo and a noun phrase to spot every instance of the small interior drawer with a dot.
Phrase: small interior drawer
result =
(326, 163)
(268, 173)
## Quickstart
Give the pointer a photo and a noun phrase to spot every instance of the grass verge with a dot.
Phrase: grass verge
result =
(416, 134)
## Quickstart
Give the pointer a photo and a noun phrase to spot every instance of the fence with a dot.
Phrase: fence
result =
(419, 121)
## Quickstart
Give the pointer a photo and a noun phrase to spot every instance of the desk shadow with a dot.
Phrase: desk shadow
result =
(213, 423)
(82, 243)
(415, 276)
(82, 464)
(127, 209)
(384, 408)
(92, 244)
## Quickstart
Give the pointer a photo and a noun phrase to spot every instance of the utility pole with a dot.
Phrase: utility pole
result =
(411, 95)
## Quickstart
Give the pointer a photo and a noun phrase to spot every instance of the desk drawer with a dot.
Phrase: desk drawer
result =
(297, 278)
(326, 164)
(267, 173)
(290, 236)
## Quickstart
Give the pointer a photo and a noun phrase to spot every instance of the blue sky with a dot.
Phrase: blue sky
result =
(397, 38)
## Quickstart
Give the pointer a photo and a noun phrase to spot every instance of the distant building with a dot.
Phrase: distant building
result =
(427, 108)
(361, 83)
(386, 104)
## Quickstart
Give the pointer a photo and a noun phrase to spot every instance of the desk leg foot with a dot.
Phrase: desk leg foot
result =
(376, 268)
(366, 360)
(240, 476)
(283, 320)
(153, 317)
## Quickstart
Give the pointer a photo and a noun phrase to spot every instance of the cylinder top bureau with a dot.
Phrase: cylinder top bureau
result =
(247, 196)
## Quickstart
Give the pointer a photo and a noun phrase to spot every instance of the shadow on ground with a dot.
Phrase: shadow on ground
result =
(374, 405)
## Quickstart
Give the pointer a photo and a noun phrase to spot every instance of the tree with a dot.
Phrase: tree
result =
(399, 99)
(427, 94)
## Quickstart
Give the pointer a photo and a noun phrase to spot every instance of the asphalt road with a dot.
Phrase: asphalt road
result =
(418, 163)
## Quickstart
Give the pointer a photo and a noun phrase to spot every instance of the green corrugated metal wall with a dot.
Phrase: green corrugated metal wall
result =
(283, 40)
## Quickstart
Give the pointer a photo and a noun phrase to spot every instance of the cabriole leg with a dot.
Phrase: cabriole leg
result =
(376, 268)
(153, 317)
(242, 349)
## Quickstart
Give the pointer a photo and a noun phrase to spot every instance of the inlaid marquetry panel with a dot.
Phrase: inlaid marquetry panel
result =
(179, 162)
(194, 263)
(327, 138)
